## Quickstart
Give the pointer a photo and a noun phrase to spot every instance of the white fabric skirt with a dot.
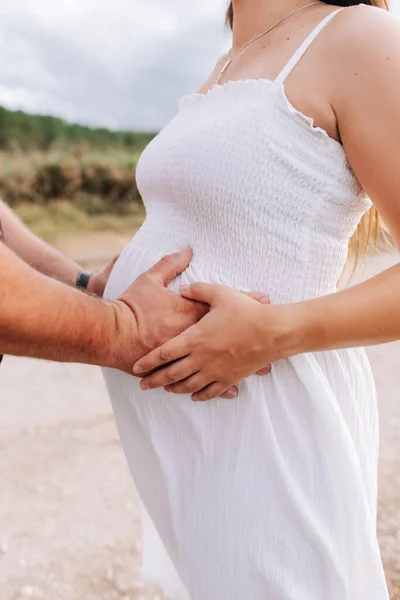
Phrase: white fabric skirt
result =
(269, 496)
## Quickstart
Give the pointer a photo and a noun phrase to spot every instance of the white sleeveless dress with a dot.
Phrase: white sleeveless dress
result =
(271, 496)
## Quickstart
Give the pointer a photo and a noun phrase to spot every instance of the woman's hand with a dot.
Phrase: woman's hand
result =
(234, 340)
(98, 281)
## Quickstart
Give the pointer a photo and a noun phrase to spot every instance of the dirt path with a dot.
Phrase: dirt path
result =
(69, 525)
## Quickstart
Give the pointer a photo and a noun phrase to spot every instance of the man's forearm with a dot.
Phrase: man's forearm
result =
(34, 251)
(44, 318)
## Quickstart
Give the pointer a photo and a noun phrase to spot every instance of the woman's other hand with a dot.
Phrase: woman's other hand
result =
(98, 280)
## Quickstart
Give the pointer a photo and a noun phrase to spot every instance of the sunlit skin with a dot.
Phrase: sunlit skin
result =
(42, 317)
(356, 100)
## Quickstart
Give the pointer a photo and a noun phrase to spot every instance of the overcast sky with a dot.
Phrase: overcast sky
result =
(115, 63)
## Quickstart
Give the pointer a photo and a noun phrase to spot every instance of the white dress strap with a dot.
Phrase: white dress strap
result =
(300, 52)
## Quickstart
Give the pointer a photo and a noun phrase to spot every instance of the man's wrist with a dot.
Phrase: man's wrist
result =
(83, 280)
(120, 352)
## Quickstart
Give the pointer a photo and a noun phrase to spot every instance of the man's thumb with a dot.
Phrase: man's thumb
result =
(166, 269)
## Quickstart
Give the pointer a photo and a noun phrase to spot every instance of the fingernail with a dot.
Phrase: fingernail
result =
(231, 394)
(185, 250)
(137, 368)
(184, 288)
(166, 388)
(265, 300)
(144, 385)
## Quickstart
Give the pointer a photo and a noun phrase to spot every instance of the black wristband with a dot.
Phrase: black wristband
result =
(82, 280)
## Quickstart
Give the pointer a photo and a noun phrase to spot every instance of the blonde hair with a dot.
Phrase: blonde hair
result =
(370, 229)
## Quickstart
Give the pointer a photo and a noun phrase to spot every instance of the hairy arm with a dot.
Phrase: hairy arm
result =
(34, 251)
(44, 318)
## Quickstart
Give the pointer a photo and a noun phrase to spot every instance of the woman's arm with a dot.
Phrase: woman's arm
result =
(34, 251)
(43, 257)
(367, 106)
(234, 338)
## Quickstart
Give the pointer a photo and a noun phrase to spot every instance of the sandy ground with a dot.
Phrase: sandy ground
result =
(69, 522)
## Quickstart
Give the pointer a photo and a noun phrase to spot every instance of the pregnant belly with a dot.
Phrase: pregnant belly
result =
(137, 258)
(262, 264)
(344, 374)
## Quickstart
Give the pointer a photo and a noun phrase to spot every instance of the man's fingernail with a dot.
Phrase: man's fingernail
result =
(231, 394)
(185, 250)
(137, 368)
(265, 300)
(144, 385)
(184, 288)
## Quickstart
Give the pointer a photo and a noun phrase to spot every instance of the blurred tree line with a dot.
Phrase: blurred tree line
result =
(21, 131)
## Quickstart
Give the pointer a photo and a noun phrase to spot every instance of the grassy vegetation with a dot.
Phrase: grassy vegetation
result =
(64, 177)
(63, 217)
(96, 181)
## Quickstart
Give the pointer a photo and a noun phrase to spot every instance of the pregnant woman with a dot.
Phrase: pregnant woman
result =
(266, 173)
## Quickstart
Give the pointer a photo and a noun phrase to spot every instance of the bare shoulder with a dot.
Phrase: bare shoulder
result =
(365, 40)
(363, 51)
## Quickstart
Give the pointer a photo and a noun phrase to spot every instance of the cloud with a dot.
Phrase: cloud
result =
(116, 63)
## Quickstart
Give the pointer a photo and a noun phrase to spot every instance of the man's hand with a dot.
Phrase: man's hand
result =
(43, 318)
(148, 313)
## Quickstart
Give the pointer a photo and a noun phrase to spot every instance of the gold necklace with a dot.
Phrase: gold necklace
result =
(232, 57)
